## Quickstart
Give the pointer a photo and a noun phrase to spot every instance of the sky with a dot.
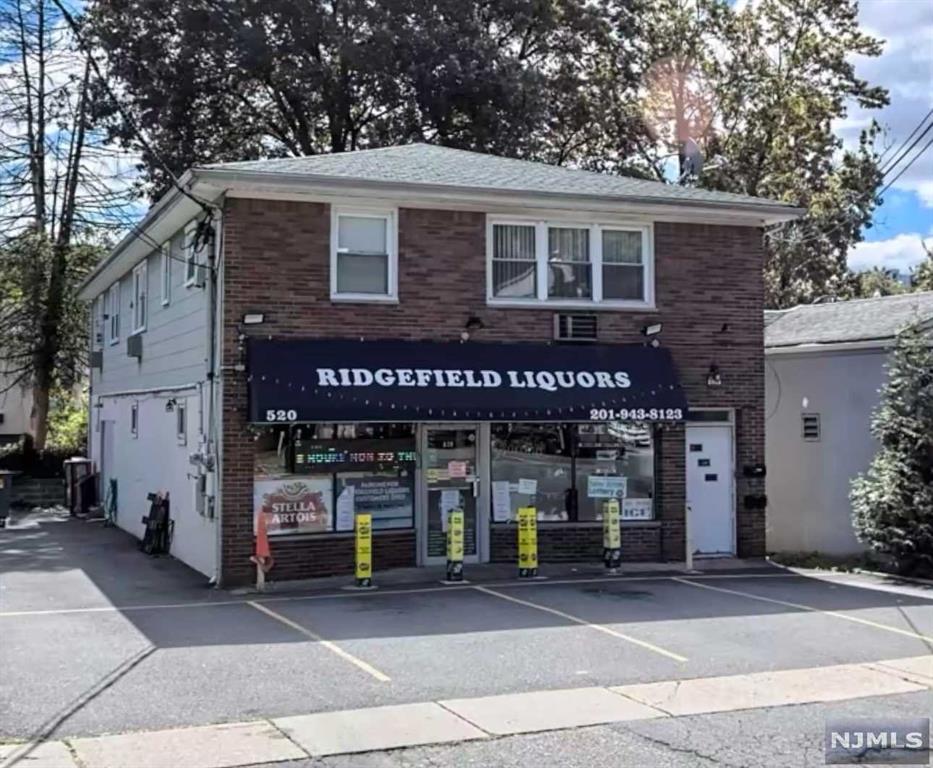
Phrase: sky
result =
(905, 68)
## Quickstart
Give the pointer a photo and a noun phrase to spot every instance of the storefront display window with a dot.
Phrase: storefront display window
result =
(531, 466)
(314, 478)
(608, 451)
(567, 471)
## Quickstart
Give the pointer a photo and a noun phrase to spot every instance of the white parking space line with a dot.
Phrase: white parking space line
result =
(810, 608)
(369, 669)
(584, 623)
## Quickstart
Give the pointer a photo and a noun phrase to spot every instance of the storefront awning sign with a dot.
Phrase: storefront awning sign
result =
(346, 381)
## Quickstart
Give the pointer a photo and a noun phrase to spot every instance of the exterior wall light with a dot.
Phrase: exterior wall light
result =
(714, 377)
(254, 318)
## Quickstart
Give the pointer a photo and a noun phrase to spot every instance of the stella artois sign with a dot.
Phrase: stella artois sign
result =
(293, 506)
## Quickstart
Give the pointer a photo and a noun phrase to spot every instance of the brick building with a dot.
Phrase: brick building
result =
(417, 329)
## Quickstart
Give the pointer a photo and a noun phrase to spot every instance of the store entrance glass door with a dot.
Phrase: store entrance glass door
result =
(451, 479)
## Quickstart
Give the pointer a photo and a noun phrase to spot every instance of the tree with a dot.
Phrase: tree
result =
(922, 276)
(55, 194)
(757, 91)
(893, 501)
(873, 282)
(216, 80)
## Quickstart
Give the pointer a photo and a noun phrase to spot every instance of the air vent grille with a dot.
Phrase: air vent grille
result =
(811, 426)
(575, 327)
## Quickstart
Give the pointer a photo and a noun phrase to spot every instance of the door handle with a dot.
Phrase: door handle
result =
(475, 484)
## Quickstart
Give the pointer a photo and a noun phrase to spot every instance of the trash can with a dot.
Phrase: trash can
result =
(6, 494)
(76, 469)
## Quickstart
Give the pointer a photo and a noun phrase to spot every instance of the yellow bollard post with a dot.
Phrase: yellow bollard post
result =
(612, 535)
(527, 542)
(455, 545)
(364, 550)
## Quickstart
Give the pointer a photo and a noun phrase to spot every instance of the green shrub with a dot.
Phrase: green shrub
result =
(892, 503)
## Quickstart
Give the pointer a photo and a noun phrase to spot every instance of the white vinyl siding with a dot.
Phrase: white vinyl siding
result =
(569, 264)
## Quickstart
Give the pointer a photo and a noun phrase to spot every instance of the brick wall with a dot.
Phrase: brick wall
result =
(641, 541)
(333, 555)
(709, 296)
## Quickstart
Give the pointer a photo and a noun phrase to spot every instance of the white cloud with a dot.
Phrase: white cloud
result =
(900, 253)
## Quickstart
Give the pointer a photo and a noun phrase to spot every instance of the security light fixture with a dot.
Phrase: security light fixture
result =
(254, 318)
(170, 405)
(714, 377)
(652, 330)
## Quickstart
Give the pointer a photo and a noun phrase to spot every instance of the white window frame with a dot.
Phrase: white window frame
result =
(191, 255)
(113, 313)
(390, 215)
(596, 228)
(140, 281)
(165, 270)
(181, 422)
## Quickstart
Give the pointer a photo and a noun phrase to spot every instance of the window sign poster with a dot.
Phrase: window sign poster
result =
(345, 509)
(527, 486)
(294, 505)
(605, 487)
(501, 501)
(390, 500)
(456, 469)
(450, 499)
(637, 509)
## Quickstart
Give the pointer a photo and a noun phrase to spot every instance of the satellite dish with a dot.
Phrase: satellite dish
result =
(693, 159)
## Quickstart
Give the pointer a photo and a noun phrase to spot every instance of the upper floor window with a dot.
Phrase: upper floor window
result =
(140, 299)
(113, 313)
(364, 255)
(191, 254)
(166, 272)
(98, 322)
(569, 264)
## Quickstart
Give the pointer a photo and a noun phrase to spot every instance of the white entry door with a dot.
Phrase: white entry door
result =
(710, 494)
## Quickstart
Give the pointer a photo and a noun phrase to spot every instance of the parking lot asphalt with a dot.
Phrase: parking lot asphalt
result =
(97, 638)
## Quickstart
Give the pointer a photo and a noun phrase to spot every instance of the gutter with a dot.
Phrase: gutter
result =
(866, 345)
(770, 212)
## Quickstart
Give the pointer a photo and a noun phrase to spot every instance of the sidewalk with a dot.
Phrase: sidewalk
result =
(488, 573)
(458, 720)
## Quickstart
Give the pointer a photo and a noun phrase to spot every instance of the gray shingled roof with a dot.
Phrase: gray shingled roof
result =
(846, 321)
(456, 168)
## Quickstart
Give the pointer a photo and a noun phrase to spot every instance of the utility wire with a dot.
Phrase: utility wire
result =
(821, 235)
(912, 161)
(887, 167)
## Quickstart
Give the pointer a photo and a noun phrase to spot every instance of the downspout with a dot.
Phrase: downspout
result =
(215, 393)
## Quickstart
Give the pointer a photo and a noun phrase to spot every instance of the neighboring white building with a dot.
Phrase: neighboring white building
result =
(825, 364)
(15, 410)
(149, 386)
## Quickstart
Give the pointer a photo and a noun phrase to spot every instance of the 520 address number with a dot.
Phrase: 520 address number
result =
(636, 414)
(281, 415)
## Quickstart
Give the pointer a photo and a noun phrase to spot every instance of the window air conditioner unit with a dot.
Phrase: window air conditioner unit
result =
(134, 346)
(574, 327)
